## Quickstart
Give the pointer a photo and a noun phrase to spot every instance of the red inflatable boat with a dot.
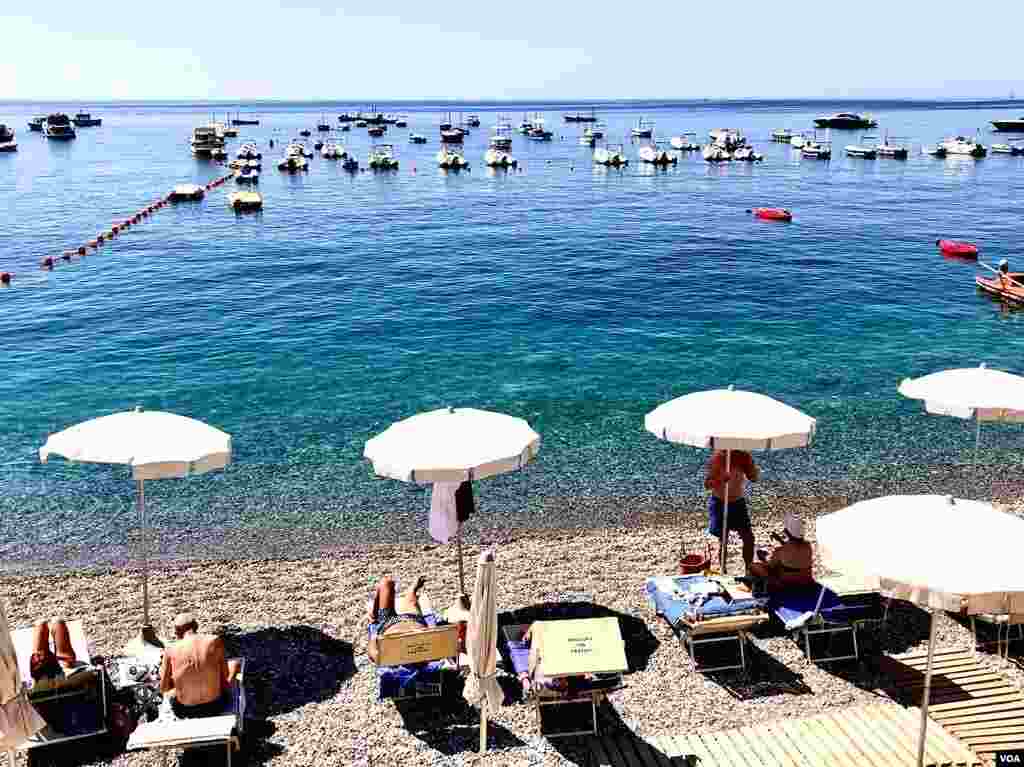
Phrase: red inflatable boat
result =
(959, 249)
(772, 214)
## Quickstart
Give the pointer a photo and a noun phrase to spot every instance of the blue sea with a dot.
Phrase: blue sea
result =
(574, 296)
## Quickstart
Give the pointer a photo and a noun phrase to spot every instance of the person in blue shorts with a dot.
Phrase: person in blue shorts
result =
(741, 469)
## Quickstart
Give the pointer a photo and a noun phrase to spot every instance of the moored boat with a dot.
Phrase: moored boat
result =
(86, 120)
(1009, 126)
(799, 140)
(499, 158)
(685, 143)
(7, 142)
(247, 175)
(323, 126)
(58, 127)
(376, 130)
(205, 141)
(934, 150)
(332, 151)
(350, 164)
(293, 163)
(716, 153)
(643, 129)
(747, 154)
(817, 150)
(782, 135)
(415, 138)
(964, 145)
(249, 120)
(382, 157)
(893, 151)
(501, 135)
(473, 121)
(610, 155)
(867, 149)
(1012, 147)
(537, 130)
(242, 201)
(187, 192)
(728, 138)
(579, 117)
(450, 158)
(36, 124)
(652, 154)
(846, 121)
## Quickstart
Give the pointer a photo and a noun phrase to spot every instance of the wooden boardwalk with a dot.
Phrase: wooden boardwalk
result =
(868, 736)
(979, 706)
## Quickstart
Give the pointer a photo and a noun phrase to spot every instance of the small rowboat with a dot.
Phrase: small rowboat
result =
(959, 249)
(772, 214)
(1010, 291)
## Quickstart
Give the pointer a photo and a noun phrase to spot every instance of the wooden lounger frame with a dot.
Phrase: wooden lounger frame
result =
(399, 649)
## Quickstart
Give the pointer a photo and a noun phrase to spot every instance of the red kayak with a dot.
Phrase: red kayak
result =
(959, 249)
(772, 214)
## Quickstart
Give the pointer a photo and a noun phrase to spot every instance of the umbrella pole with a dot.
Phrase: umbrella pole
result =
(141, 500)
(977, 435)
(725, 513)
(462, 573)
(483, 724)
(927, 691)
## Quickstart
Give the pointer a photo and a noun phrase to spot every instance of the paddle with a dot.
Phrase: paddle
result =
(996, 271)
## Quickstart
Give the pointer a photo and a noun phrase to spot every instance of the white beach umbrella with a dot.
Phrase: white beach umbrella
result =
(21, 720)
(964, 557)
(482, 644)
(452, 445)
(730, 419)
(156, 445)
(978, 393)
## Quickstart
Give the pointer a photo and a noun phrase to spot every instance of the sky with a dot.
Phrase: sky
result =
(527, 49)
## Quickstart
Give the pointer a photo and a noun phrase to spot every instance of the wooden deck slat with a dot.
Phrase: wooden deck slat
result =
(762, 740)
(952, 718)
(657, 751)
(872, 720)
(715, 747)
(627, 748)
(909, 736)
(705, 757)
(972, 677)
(860, 753)
(951, 696)
(755, 753)
(601, 757)
(970, 685)
(670, 746)
(977, 702)
(869, 738)
(807, 745)
(1007, 725)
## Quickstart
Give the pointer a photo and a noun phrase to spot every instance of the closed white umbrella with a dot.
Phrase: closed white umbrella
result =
(19, 721)
(970, 393)
(730, 419)
(452, 445)
(937, 551)
(482, 644)
(156, 445)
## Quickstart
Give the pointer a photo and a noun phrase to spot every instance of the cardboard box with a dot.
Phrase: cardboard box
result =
(418, 646)
(580, 646)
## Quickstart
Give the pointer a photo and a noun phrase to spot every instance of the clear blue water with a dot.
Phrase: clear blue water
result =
(576, 297)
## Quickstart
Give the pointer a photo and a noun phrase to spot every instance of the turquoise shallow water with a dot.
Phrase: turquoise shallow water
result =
(576, 297)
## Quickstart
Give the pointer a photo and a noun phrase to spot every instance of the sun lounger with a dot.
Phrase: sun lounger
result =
(816, 611)
(168, 732)
(74, 706)
(1007, 627)
(569, 652)
(414, 665)
(704, 619)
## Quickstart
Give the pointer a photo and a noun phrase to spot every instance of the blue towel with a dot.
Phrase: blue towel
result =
(790, 604)
(674, 609)
(400, 681)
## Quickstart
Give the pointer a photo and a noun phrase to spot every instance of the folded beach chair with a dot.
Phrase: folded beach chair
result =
(569, 650)
(168, 732)
(701, 617)
(814, 611)
(73, 707)
(414, 665)
(1008, 628)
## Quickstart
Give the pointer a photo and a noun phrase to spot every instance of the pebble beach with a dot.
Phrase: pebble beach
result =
(301, 624)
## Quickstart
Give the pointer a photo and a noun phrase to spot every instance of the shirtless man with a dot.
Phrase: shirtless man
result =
(791, 564)
(391, 614)
(195, 669)
(741, 468)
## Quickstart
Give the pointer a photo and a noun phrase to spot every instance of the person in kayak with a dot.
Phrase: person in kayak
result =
(718, 480)
(1004, 274)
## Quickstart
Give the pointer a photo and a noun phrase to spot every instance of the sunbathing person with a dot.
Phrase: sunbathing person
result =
(391, 614)
(47, 663)
(791, 564)
(196, 671)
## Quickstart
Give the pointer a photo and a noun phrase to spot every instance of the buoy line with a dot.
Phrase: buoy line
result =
(47, 263)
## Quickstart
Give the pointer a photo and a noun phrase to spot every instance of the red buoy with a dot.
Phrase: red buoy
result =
(956, 248)
(5, 278)
(47, 263)
(772, 214)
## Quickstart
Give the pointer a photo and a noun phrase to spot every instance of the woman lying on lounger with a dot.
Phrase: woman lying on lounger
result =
(398, 615)
(791, 564)
(56, 663)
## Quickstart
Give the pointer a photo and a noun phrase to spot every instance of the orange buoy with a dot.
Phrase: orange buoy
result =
(47, 263)
(5, 278)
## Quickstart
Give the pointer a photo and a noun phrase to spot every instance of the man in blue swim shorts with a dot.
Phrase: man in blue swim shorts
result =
(741, 469)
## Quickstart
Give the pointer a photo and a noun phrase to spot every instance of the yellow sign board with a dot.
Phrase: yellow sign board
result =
(580, 646)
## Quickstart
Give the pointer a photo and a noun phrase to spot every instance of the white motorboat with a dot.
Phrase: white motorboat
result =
(1013, 148)
(747, 154)
(537, 130)
(964, 145)
(450, 158)
(242, 201)
(416, 138)
(893, 151)
(499, 158)
(293, 163)
(86, 120)
(685, 143)
(817, 150)
(643, 129)
(525, 126)
(867, 149)
(653, 154)
(187, 192)
(58, 127)
(611, 155)
(205, 141)
(247, 175)
(501, 136)
(332, 151)
(7, 142)
(1009, 126)
(782, 135)
(934, 150)
(297, 149)
(728, 138)
(716, 153)
(798, 140)
(382, 157)
(248, 151)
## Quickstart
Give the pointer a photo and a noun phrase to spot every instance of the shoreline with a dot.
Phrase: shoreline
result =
(301, 624)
